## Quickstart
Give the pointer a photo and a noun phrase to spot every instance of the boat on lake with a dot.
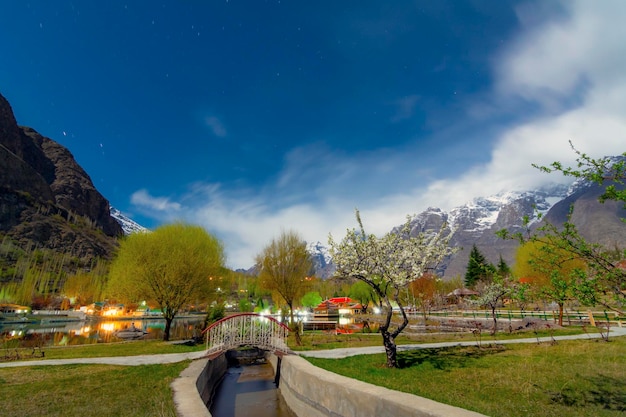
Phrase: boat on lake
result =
(131, 332)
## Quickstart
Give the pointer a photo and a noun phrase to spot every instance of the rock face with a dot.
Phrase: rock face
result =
(46, 199)
(478, 221)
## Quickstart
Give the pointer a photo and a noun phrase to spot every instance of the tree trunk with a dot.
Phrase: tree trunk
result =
(388, 340)
(495, 320)
(168, 326)
(294, 328)
(390, 350)
(561, 314)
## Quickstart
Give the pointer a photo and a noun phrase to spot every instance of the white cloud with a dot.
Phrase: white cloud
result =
(556, 58)
(145, 201)
(569, 71)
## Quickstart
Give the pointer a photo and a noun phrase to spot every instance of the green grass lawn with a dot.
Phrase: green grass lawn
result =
(579, 378)
(141, 347)
(88, 390)
(570, 379)
(316, 340)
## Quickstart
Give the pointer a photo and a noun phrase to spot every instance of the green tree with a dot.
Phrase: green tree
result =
(84, 288)
(363, 293)
(311, 299)
(503, 269)
(551, 270)
(608, 172)
(170, 266)
(388, 264)
(478, 269)
(284, 264)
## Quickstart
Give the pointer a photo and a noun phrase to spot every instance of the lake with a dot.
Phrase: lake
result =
(96, 330)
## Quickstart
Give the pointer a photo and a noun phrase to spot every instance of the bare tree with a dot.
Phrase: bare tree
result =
(284, 264)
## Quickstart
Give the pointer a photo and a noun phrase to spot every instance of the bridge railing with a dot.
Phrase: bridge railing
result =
(246, 329)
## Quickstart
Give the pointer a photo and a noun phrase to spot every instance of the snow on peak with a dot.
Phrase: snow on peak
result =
(483, 212)
(129, 226)
(319, 250)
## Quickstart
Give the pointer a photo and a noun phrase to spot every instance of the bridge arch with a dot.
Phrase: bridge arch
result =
(246, 329)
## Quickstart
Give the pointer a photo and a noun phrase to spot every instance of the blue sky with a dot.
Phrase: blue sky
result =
(253, 117)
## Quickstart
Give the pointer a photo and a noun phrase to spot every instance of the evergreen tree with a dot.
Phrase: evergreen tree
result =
(477, 268)
(503, 269)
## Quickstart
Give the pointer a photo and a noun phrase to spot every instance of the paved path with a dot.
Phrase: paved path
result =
(113, 360)
(345, 352)
(331, 353)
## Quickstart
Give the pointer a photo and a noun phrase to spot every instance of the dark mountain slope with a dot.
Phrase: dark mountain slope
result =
(46, 199)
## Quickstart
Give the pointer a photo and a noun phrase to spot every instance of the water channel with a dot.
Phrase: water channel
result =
(249, 390)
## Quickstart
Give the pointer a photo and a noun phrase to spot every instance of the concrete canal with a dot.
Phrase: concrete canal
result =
(249, 390)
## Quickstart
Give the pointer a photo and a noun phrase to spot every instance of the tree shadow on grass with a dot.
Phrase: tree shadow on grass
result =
(607, 392)
(444, 359)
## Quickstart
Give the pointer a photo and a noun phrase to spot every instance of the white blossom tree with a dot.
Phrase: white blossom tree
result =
(388, 264)
(491, 295)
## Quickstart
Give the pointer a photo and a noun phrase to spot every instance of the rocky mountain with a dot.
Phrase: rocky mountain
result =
(322, 261)
(477, 222)
(47, 200)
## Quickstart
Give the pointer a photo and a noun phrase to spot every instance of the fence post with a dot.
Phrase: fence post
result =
(592, 321)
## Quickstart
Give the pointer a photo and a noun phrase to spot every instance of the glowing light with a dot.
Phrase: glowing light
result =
(344, 321)
(107, 327)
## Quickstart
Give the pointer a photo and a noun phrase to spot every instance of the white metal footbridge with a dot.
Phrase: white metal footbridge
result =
(246, 329)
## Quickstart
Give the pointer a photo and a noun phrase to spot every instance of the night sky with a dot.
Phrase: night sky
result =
(254, 117)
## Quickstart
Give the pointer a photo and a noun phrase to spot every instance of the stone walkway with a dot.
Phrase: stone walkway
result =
(113, 360)
(330, 353)
(345, 352)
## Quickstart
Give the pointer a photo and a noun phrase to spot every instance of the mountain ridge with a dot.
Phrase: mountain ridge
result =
(478, 220)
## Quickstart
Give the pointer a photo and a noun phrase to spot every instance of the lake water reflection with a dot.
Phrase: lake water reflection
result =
(97, 331)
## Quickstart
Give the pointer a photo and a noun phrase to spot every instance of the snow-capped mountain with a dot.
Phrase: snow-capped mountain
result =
(322, 261)
(477, 221)
(484, 212)
(128, 225)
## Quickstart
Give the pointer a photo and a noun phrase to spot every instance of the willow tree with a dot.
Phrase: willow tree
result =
(284, 264)
(171, 266)
(388, 264)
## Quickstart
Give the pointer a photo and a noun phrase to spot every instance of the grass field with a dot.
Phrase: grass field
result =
(570, 379)
(323, 340)
(147, 347)
(89, 390)
(573, 378)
